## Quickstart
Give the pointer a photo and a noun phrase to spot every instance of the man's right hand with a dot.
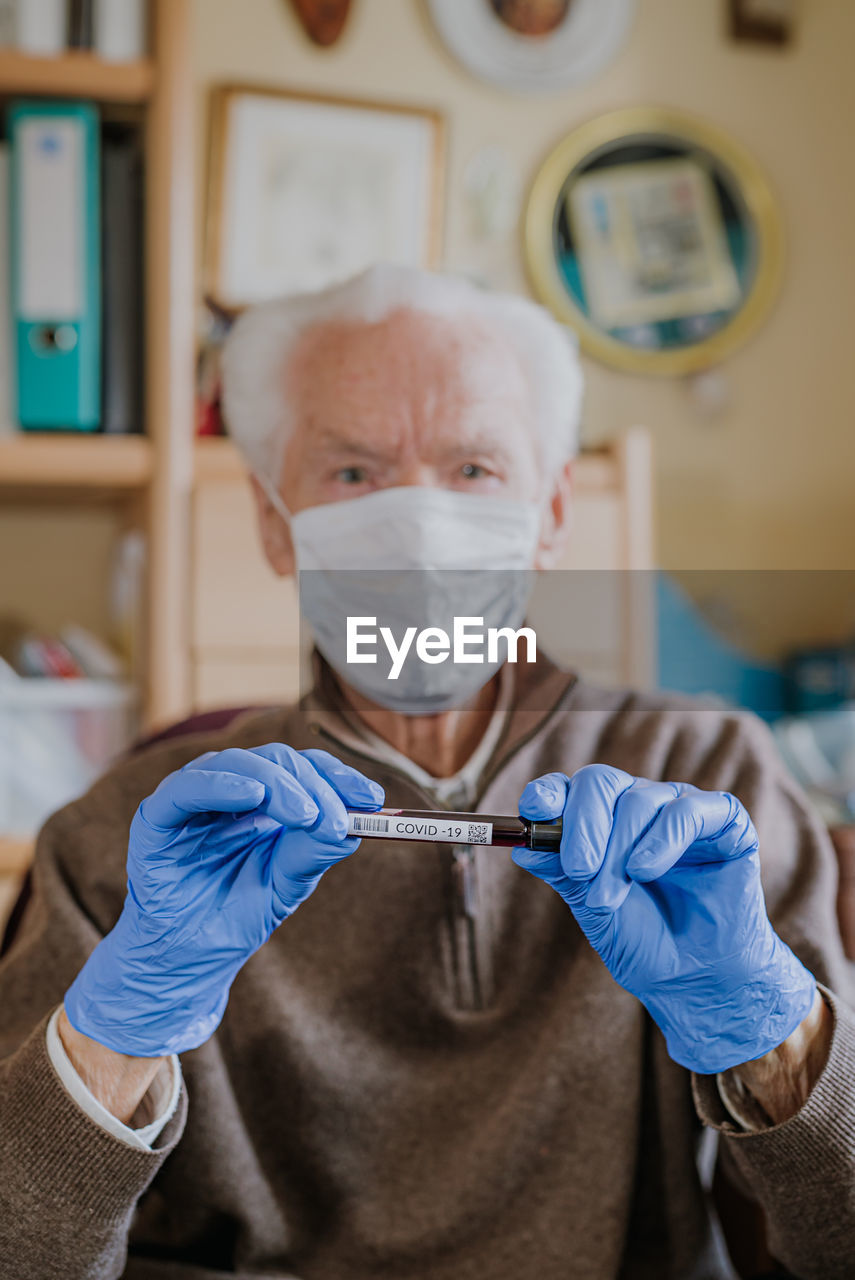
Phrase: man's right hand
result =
(219, 854)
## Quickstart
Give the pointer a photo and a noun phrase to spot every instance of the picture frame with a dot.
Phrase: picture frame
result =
(533, 47)
(770, 22)
(652, 243)
(656, 237)
(306, 189)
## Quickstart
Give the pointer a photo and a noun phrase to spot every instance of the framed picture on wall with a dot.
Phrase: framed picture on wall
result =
(656, 236)
(305, 190)
(533, 46)
(651, 243)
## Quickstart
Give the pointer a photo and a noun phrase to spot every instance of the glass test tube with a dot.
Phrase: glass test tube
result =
(455, 828)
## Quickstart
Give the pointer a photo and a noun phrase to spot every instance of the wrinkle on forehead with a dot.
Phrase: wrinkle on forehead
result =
(410, 364)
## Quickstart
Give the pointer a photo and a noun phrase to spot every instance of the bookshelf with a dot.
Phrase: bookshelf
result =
(77, 75)
(148, 476)
(67, 465)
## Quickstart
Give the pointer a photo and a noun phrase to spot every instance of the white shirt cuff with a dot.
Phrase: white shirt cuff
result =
(163, 1094)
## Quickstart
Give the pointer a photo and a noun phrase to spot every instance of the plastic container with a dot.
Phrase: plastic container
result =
(820, 750)
(56, 737)
(119, 29)
(42, 26)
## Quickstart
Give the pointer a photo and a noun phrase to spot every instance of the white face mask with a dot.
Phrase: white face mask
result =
(413, 556)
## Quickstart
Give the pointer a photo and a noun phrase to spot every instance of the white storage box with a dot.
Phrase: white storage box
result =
(56, 736)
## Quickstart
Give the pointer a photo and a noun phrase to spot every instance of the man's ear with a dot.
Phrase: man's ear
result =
(556, 521)
(274, 531)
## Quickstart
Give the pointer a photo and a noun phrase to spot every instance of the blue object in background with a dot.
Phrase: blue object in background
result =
(820, 679)
(693, 658)
(55, 265)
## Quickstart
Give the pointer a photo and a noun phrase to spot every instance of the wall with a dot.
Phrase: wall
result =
(767, 482)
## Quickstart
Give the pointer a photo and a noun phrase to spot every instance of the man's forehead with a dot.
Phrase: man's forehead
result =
(408, 350)
(445, 389)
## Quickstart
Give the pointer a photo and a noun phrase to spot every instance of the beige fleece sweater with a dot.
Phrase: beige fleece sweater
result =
(426, 1073)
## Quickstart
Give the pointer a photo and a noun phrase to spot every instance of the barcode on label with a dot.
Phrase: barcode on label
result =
(367, 824)
(479, 832)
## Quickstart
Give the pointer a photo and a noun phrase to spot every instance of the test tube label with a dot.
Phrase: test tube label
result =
(380, 826)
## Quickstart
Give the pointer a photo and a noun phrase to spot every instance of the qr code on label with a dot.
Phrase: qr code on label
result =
(479, 833)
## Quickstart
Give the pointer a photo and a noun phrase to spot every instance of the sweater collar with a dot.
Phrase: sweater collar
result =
(539, 689)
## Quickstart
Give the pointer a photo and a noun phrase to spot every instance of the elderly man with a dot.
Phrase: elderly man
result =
(424, 1061)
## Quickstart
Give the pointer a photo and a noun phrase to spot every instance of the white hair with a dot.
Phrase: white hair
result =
(259, 417)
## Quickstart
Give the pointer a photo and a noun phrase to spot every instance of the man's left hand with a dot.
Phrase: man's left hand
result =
(664, 880)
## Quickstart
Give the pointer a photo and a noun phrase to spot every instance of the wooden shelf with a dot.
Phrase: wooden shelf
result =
(216, 459)
(65, 462)
(145, 479)
(76, 74)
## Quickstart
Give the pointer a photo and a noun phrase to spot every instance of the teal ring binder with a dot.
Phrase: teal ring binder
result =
(56, 266)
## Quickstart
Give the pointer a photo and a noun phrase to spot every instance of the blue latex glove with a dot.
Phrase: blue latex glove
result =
(220, 853)
(664, 880)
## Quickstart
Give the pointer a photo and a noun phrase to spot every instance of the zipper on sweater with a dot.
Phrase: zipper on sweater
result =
(470, 994)
(463, 908)
(463, 868)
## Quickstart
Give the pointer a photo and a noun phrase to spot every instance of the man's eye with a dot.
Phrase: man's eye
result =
(472, 471)
(352, 475)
